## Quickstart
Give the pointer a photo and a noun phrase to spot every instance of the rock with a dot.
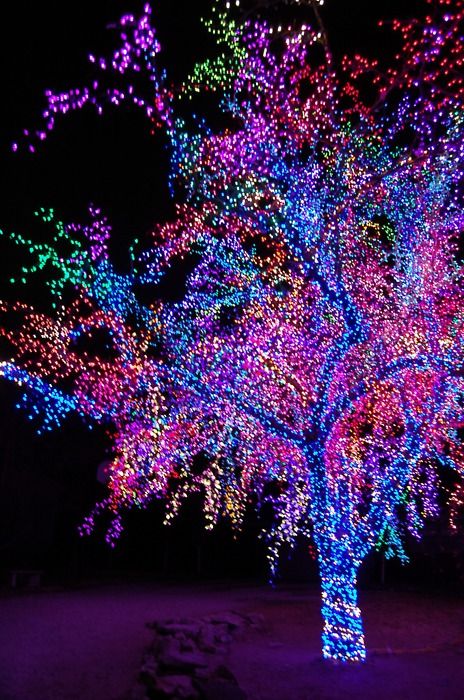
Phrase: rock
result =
(217, 689)
(173, 628)
(221, 672)
(202, 673)
(166, 645)
(233, 620)
(178, 660)
(221, 685)
(175, 687)
(177, 666)
(149, 670)
(206, 639)
(148, 660)
(219, 630)
(189, 645)
(221, 649)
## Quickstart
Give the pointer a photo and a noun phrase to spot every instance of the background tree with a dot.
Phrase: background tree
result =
(312, 361)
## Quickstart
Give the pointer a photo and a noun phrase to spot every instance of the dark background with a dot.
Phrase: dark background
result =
(48, 483)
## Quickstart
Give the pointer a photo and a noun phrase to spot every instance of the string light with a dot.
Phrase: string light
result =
(314, 360)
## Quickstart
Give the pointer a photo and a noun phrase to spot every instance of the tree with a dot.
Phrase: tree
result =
(314, 361)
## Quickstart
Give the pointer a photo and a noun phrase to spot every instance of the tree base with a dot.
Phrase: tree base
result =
(343, 635)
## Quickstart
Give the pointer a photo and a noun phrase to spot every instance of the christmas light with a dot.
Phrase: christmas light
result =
(315, 359)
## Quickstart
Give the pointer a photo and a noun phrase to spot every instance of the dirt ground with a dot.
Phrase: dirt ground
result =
(87, 644)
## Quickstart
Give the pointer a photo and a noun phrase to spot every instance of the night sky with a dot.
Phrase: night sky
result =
(112, 160)
(49, 483)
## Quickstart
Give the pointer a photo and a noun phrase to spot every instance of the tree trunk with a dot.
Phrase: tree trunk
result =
(343, 636)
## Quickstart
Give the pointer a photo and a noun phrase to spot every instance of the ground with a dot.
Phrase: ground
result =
(87, 644)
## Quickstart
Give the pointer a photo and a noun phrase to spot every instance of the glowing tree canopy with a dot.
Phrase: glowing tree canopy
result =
(315, 359)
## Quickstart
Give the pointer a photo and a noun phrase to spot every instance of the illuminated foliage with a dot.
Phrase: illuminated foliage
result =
(314, 362)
